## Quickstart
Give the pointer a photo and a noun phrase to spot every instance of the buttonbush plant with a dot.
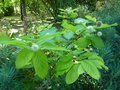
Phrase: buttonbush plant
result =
(70, 47)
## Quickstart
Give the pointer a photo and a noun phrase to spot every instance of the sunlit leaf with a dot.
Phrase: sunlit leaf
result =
(15, 42)
(91, 18)
(51, 46)
(97, 41)
(40, 63)
(72, 74)
(82, 42)
(68, 26)
(90, 69)
(106, 26)
(64, 64)
(23, 58)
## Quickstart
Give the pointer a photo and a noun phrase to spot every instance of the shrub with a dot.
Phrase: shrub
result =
(69, 49)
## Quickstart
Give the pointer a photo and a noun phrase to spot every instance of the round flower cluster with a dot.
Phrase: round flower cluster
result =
(68, 9)
(91, 49)
(35, 47)
(91, 28)
(99, 33)
(99, 23)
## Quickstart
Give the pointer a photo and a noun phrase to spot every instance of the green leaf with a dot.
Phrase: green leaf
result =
(97, 41)
(80, 69)
(51, 46)
(94, 58)
(69, 35)
(68, 26)
(80, 20)
(80, 29)
(87, 55)
(72, 74)
(23, 58)
(91, 18)
(64, 64)
(82, 43)
(73, 15)
(50, 31)
(99, 62)
(90, 69)
(15, 42)
(40, 63)
(50, 25)
(47, 32)
(4, 38)
(106, 26)
(52, 35)
(7, 40)
(27, 37)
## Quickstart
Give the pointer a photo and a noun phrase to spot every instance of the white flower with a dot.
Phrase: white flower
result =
(99, 33)
(91, 28)
(91, 49)
(68, 9)
(35, 47)
(47, 33)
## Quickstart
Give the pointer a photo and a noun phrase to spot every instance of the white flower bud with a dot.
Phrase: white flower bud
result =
(47, 33)
(99, 33)
(91, 28)
(35, 47)
(91, 49)
(68, 9)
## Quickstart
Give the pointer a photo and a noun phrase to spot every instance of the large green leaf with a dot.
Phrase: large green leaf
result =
(73, 15)
(47, 32)
(4, 38)
(64, 64)
(80, 69)
(51, 46)
(93, 57)
(90, 69)
(72, 74)
(15, 42)
(69, 35)
(80, 29)
(23, 58)
(68, 26)
(91, 18)
(106, 26)
(99, 62)
(87, 55)
(52, 35)
(40, 63)
(82, 42)
(97, 41)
